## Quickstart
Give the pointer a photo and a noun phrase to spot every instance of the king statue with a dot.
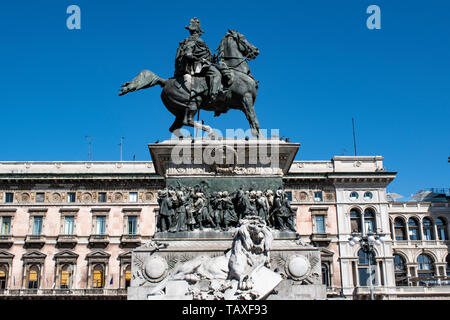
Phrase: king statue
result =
(205, 81)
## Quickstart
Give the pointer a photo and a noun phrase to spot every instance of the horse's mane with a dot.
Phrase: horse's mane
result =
(222, 44)
(230, 33)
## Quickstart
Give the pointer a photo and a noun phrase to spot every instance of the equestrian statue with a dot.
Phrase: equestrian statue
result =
(201, 80)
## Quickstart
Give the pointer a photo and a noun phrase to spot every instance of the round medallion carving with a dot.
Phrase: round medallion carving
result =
(155, 268)
(86, 197)
(298, 267)
(25, 197)
(56, 197)
(303, 196)
(118, 197)
(149, 196)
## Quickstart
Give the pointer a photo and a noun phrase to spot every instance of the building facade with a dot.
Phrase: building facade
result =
(68, 228)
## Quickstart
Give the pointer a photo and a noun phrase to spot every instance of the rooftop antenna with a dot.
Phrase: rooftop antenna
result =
(121, 146)
(354, 136)
(90, 146)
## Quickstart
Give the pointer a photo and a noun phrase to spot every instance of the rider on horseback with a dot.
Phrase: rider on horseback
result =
(194, 59)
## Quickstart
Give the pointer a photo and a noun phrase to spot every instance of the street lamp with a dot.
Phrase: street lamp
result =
(367, 243)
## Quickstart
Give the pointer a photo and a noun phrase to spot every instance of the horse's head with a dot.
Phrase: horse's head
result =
(247, 49)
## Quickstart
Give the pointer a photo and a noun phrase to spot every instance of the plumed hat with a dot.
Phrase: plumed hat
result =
(194, 25)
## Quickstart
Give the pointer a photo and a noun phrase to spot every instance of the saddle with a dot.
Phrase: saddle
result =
(199, 85)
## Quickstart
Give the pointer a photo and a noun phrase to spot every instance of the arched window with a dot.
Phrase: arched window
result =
(355, 220)
(441, 229)
(400, 229)
(426, 268)
(413, 225)
(127, 273)
(326, 275)
(400, 271)
(65, 277)
(369, 220)
(3, 276)
(366, 267)
(427, 226)
(33, 277)
(98, 276)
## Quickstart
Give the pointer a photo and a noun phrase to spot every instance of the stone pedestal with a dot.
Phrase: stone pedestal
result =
(224, 165)
(298, 265)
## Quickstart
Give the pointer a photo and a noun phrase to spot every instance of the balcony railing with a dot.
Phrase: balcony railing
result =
(130, 239)
(98, 240)
(60, 292)
(6, 240)
(67, 240)
(35, 240)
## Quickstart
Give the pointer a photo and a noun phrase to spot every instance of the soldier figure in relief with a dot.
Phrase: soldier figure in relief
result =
(165, 210)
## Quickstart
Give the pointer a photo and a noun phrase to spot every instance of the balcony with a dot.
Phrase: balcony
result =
(34, 241)
(130, 240)
(6, 240)
(321, 239)
(66, 241)
(98, 240)
(66, 293)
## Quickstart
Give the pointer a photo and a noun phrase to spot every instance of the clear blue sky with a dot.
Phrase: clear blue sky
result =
(318, 67)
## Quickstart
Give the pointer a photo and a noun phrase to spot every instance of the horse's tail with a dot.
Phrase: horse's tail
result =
(145, 79)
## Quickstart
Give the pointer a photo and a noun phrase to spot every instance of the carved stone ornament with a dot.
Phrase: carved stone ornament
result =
(86, 197)
(149, 196)
(25, 197)
(56, 197)
(118, 197)
(298, 267)
(154, 268)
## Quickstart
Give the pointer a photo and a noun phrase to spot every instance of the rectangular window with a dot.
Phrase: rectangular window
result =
(40, 197)
(320, 224)
(364, 276)
(289, 195)
(318, 196)
(127, 278)
(6, 225)
(64, 279)
(133, 197)
(132, 224)
(68, 224)
(369, 226)
(9, 197)
(37, 225)
(427, 234)
(71, 197)
(102, 197)
(399, 234)
(100, 226)
(413, 234)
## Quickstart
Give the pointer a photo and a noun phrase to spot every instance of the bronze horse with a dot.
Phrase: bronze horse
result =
(234, 50)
